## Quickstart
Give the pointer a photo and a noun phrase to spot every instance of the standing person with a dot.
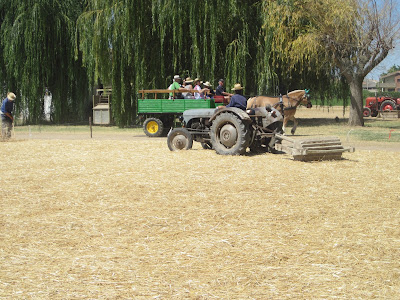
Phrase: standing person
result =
(7, 119)
(238, 100)
(176, 85)
(201, 92)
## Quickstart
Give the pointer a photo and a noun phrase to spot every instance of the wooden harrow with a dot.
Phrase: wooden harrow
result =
(316, 148)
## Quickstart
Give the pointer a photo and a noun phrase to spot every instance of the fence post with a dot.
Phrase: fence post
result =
(90, 126)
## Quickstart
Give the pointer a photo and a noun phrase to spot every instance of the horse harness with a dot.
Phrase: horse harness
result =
(280, 103)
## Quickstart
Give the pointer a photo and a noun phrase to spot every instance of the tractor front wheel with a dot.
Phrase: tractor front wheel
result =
(229, 135)
(153, 127)
(179, 139)
(366, 112)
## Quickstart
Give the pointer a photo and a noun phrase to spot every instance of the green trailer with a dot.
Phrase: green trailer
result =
(160, 112)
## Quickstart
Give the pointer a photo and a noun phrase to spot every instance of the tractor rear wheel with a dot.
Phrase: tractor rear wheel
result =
(229, 135)
(179, 139)
(153, 127)
(388, 105)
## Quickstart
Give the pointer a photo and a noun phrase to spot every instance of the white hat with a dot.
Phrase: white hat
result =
(188, 80)
(11, 96)
(207, 84)
(177, 77)
(237, 87)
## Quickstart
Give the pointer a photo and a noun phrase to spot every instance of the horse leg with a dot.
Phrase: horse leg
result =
(285, 120)
(295, 123)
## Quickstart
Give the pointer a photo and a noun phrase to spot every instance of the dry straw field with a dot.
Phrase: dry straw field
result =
(125, 218)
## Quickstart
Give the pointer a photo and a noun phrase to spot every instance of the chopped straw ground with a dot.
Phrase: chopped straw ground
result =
(127, 219)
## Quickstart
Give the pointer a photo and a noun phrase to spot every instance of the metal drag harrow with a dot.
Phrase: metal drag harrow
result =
(316, 148)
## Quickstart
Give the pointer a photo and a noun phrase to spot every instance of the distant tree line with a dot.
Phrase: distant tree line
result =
(67, 46)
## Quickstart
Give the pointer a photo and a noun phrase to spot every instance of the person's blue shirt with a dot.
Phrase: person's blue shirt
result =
(6, 107)
(238, 101)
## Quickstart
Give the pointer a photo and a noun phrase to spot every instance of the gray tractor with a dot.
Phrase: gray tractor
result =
(228, 130)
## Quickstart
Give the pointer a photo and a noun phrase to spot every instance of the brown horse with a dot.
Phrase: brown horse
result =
(289, 105)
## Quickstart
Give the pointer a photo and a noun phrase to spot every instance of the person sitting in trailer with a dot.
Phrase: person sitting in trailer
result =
(211, 93)
(201, 91)
(220, 90)
(189, 86)
(176, 85)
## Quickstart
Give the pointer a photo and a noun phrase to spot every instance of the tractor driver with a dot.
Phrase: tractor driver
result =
(238, 100)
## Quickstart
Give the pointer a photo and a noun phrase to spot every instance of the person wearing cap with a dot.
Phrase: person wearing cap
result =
(176, 85)
(7, 119)
(238, 100)
(211, 92)
(220, 90)
(200, 94)
(188, 85)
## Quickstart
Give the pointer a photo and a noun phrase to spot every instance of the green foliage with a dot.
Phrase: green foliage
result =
(327, 41)
(142, 44)
(68, 46)
(392, 69)
(37, 43)
(293, 59)
(380, 94)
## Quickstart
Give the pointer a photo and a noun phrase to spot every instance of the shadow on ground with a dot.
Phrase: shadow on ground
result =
(312, 122)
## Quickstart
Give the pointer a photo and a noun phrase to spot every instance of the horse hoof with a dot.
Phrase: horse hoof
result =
(292, 132)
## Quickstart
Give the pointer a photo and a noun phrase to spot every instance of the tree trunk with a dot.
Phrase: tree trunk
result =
(356, 117)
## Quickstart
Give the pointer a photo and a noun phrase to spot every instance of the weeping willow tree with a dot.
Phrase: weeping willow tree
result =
(268, 46)
(119, 48)
(37, 52)
(142, 44)
(331, 45)
(289, 58)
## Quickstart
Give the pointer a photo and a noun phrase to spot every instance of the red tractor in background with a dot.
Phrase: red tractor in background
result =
(373, 105)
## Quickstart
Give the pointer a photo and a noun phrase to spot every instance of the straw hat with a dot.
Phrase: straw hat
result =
(188, 80)
(11, 96)
(207, 84)
(197, 79)
(237, 87)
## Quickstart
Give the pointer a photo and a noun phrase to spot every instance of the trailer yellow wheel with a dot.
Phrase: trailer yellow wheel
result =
(153, 127)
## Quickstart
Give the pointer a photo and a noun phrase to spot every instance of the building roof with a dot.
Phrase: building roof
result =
(391, 74)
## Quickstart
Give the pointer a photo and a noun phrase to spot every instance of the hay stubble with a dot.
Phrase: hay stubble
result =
(123, 219)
